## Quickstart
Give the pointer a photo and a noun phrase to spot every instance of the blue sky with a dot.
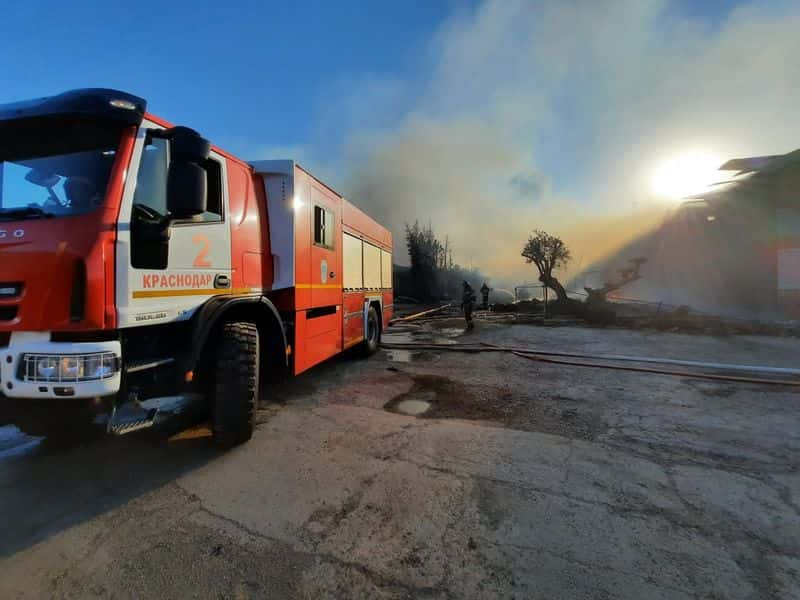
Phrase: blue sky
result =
(246, 74)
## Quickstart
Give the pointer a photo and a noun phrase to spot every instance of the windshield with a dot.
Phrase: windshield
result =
(41, 176)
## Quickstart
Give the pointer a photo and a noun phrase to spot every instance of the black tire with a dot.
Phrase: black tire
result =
(236, 383)
(373, 340)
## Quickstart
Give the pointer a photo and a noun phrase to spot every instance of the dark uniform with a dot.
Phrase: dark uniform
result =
(467, 302)
(485, 289)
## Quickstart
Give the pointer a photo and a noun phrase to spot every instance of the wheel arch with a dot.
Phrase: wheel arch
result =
(377, 305)
(257, 309)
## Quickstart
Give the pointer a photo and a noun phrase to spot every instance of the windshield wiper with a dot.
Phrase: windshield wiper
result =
(28, 212)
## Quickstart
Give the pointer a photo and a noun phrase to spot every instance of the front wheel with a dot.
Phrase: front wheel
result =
(373, 338)
(236, 383)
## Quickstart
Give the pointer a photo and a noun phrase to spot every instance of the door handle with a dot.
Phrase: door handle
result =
(332, 275)
(222, 281)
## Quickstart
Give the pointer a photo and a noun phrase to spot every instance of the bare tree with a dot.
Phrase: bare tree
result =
(547, 252)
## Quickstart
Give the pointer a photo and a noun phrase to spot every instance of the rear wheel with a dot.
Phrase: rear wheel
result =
(373, 339)
(236, 383)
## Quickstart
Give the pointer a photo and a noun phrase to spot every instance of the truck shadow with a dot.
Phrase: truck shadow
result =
(52, 490)
(66, 482)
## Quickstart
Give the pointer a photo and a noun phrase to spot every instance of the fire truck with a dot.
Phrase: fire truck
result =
(140, 265)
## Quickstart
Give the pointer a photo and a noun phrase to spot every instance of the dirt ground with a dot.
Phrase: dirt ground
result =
(522, 480)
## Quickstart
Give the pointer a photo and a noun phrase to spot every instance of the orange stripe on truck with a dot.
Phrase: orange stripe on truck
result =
(318, 286)
(189, 292)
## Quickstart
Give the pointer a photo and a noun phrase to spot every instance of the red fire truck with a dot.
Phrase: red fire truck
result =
(139, 264)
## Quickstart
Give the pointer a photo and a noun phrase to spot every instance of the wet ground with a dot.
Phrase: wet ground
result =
(508, 479)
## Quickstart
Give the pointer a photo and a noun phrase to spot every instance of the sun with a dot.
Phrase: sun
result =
(685, 175)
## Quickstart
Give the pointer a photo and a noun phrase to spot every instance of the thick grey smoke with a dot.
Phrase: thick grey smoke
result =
(554, 115)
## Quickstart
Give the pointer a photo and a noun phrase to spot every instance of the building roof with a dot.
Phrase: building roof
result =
(762, 164)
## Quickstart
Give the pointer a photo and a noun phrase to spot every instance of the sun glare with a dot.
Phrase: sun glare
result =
(686, 175)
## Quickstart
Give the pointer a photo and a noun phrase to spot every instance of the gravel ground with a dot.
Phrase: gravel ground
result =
(522, 480)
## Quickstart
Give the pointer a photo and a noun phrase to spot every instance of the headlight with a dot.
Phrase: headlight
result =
(100, 366)
(71, 367)
(58, 368)
(47, 367)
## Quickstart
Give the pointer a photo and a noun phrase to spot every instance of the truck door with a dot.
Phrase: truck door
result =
(326, 240)
(162, 281)
(319, 327)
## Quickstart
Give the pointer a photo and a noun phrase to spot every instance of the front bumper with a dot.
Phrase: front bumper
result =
(21, 343)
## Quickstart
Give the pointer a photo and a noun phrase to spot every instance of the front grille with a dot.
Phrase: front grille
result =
(8, 313)
(77, 303)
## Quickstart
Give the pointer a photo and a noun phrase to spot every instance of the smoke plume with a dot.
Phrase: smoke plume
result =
(553, 115)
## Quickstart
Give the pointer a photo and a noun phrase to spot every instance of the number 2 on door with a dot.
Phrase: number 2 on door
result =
(200, 260)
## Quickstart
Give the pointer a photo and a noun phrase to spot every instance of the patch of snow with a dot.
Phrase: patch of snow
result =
(14, 442)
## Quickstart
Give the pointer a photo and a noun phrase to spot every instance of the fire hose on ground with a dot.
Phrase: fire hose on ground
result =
(558, 358)
(421, 314)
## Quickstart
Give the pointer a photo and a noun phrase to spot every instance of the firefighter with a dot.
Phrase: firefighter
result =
(82, 194)
(485, 289)
(467, 301)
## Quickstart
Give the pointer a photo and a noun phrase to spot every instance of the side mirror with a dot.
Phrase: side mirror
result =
(187, 189)
(187, 186)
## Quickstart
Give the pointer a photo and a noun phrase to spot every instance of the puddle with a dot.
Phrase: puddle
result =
(443, 340)
(438, 336)
(438, 397)
(416, 403)
(409, 356)
(444, 336)
(397, 337)
(403, 356)
(450, 332)
(410, 337)
(412, 407)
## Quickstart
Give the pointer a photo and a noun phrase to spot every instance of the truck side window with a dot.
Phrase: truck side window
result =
(323, 227)
(151, 183)
(214, 202)
(149, 245)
